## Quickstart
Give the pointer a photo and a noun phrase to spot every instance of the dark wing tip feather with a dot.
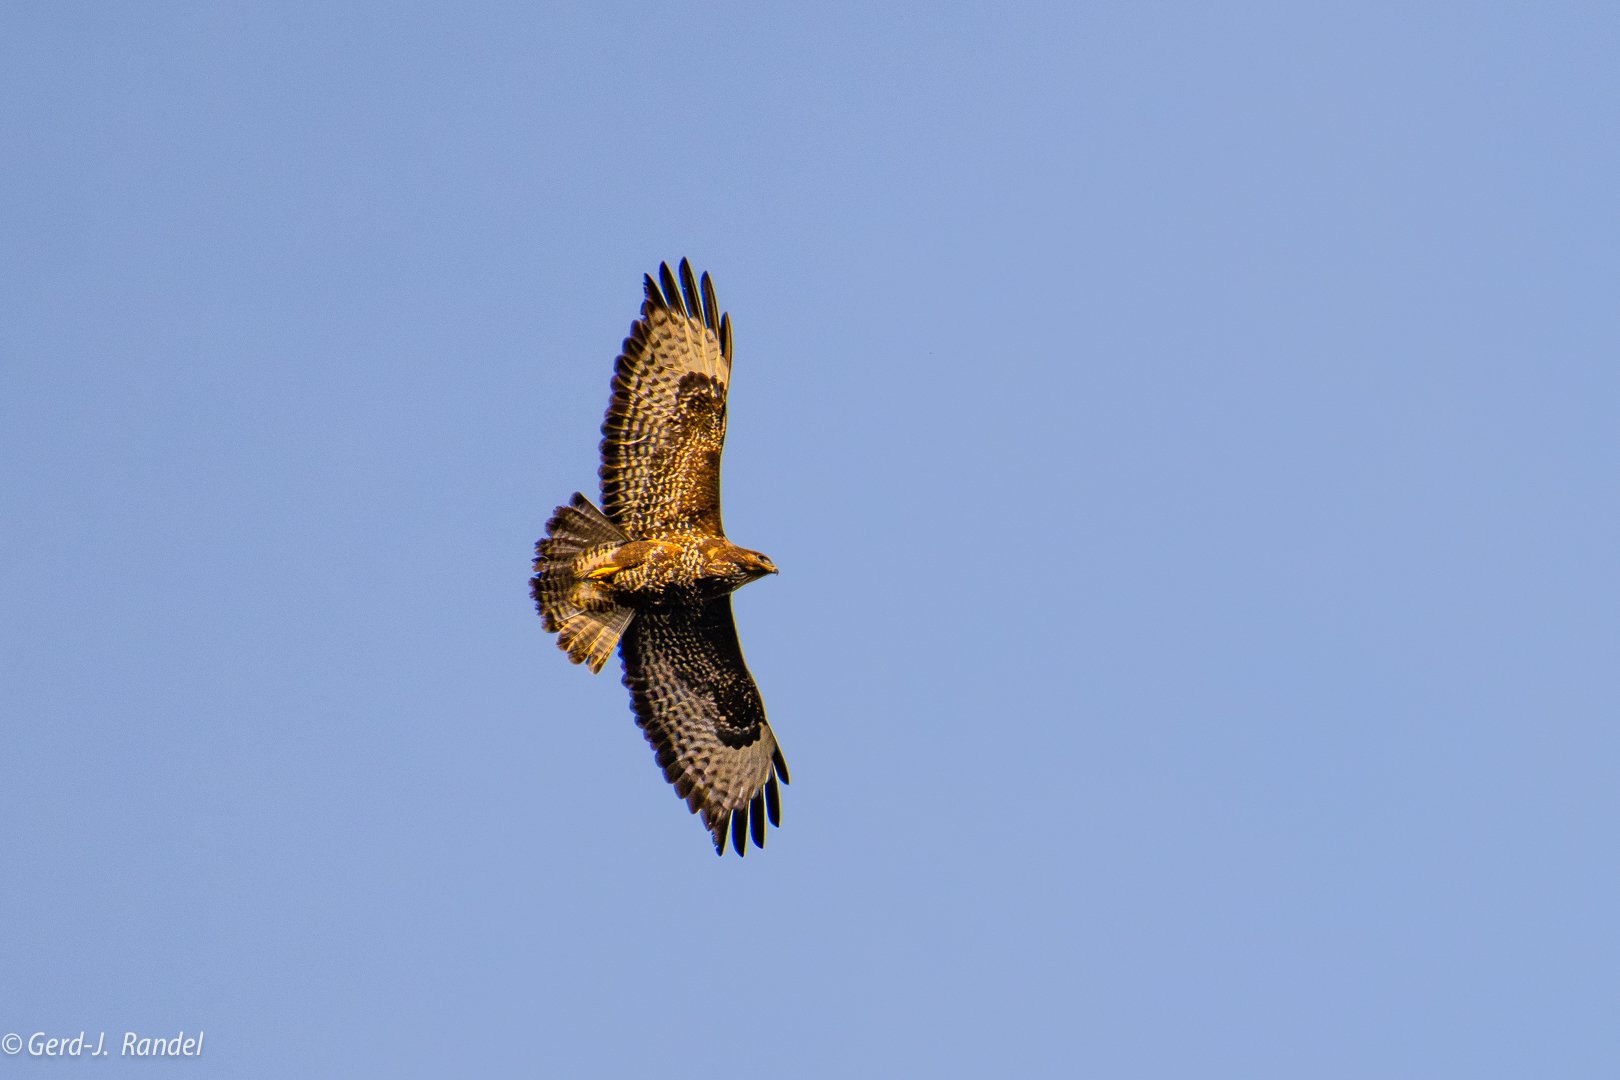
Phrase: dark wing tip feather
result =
(725, 336)
(781, 765)
(711, 309)
(739, 830)
(689, 291)
(720, 835)
(654, 297)
(672, 292)
(756, 818)
(773, 801)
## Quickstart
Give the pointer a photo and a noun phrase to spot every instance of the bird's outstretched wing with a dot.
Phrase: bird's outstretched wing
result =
(666, 422)
(699, 708)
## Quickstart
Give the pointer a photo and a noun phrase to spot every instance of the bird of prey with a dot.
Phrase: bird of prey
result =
(653, 572)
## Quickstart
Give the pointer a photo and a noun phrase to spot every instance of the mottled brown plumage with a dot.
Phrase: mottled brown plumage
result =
(653, 572)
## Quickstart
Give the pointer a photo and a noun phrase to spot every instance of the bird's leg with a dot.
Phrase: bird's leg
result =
(624, 568)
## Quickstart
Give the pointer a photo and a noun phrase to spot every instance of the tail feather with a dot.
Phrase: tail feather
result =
(578, 526)
(584, 617)
(589, 636)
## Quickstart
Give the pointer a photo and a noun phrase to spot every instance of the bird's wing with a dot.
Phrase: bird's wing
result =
(666, 421)
(699, 708)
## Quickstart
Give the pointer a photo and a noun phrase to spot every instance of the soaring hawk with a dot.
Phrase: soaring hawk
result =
(653, 572)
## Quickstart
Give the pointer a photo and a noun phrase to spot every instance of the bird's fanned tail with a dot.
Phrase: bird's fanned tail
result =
(585, 619)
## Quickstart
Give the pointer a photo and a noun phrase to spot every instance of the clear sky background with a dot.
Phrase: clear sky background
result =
(1190, 436)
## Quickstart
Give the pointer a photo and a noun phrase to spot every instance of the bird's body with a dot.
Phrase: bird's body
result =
(653, 572)
(666, 573)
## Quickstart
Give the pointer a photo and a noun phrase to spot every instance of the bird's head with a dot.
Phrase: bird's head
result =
(747, 565)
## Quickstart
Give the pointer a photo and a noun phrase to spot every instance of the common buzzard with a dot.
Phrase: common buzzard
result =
(653, 572)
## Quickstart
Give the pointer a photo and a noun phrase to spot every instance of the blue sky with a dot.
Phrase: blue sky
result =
(1187, 434)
